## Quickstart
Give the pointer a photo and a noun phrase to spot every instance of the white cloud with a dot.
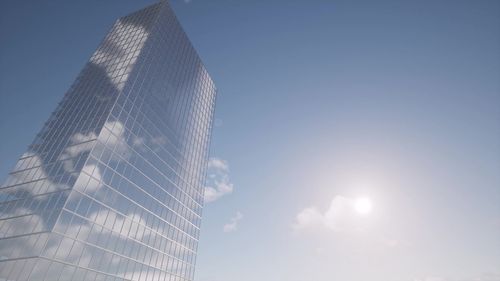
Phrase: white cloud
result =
(232, 225)
(81, 143)
(341, 216)
(83, 255)
(118, 139)
(219, 164)
(309, 217)
(29, 186)
(218, 183)
(138, 141)
(159, 140)
(96, 182)
(79, 137)
(120, 53)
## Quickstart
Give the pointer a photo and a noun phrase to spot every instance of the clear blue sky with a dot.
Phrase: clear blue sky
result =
(320, 103)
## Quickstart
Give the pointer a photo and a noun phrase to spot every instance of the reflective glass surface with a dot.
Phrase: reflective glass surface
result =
(112, 186)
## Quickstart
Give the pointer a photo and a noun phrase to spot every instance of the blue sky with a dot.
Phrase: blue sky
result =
(320, 103)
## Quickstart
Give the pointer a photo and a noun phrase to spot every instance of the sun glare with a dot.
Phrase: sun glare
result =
(363, 205)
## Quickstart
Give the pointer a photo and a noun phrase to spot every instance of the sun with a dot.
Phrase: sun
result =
(363, 205)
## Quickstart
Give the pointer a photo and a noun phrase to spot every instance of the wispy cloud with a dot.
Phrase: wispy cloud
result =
(218, 122)
(218, 183)
(339, 217)
(232, 225)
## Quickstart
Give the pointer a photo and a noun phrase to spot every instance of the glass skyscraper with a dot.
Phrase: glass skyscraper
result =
(112, 187)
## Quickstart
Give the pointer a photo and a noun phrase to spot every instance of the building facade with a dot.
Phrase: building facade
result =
(111, 188)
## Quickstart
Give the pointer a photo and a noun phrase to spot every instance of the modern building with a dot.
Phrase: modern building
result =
(112, 186)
